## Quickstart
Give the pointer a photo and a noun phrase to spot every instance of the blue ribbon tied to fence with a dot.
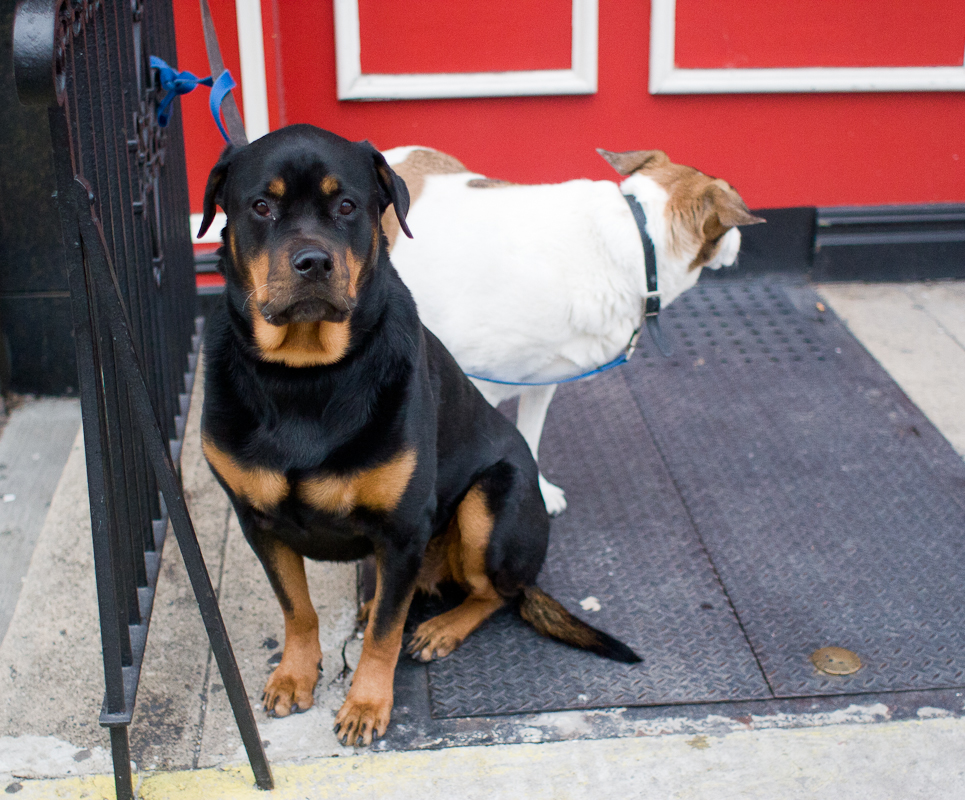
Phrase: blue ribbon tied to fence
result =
(175, 83)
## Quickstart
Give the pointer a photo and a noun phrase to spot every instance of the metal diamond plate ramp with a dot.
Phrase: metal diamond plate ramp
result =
(830, 507)
(770, 468)
(628, 541)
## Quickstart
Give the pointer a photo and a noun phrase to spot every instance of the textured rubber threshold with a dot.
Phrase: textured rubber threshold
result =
(766, 492)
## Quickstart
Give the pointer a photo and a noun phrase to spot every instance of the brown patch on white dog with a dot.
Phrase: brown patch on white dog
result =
(489, 183)
(417, 166)
(700, 209)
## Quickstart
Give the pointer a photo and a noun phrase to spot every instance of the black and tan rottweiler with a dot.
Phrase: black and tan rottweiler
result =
(340, 427)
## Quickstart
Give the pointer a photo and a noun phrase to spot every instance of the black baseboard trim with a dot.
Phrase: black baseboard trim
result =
(858, 243)
(890, 243)
(783, 244)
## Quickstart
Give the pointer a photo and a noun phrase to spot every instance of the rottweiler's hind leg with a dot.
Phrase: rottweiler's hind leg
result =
(468, 543)
(439, 636)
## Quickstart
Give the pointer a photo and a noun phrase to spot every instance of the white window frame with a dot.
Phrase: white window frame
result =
(254, 95)
(353, 84)
(667, 78)
(251, 49)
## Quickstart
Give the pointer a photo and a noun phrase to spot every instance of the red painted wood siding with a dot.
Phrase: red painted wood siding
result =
(820, 33)
(501, 35)
(779, 150)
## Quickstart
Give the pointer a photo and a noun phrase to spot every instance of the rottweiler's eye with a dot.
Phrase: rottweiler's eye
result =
(346, 208)
(261, 208)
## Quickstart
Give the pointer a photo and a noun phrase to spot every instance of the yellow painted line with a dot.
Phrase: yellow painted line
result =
(883, 760)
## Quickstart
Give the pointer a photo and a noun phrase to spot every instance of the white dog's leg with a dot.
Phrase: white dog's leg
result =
(495, 393)
(533, 403)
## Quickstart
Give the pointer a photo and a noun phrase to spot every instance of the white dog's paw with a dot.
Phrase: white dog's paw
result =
(553, 496)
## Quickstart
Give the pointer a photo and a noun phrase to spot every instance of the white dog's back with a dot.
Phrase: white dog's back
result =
(522, 278)
(542, 283)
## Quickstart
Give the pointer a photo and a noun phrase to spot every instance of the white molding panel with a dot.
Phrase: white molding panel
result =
(581, 78)
(254, 88)
(667, 78)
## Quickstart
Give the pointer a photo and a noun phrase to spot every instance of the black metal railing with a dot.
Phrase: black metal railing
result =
(122, 196)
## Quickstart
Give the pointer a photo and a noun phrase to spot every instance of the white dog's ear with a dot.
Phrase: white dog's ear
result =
(729, 207)
(632, 160)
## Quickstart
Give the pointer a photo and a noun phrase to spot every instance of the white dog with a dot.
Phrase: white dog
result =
(537, 284)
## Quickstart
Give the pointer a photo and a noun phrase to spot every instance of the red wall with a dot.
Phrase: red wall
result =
(778, 150)
(821, 33)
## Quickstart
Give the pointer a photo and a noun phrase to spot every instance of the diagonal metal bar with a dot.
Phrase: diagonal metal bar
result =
(232, 116)
(122, 198)
(102, 280)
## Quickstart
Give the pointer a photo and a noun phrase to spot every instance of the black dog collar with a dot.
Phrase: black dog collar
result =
(651, 302)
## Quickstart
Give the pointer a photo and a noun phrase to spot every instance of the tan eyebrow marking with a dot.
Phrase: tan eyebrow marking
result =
(276, 188)
(329, 184)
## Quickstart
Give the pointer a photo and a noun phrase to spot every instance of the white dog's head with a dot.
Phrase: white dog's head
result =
(701, 213)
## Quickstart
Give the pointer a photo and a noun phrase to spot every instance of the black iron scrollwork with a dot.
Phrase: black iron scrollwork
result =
(122, 197)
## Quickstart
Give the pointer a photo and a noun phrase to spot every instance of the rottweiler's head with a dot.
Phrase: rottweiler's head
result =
(303, 236)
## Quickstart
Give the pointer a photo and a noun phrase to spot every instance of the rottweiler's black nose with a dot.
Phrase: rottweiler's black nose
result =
(312, 263)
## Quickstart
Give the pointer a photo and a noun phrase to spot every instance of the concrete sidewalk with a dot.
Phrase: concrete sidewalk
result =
(185, 743)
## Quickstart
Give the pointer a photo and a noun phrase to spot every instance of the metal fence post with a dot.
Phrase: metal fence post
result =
(122, 196)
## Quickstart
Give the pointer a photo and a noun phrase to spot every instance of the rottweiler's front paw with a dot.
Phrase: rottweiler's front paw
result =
(359, 723)
(291, 687)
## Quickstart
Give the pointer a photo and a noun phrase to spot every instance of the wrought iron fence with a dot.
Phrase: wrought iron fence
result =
(122, 197)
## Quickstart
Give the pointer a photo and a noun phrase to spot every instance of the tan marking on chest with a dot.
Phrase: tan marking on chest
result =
(413, 170)
(377, 489)
(301, 344)
(262, 488)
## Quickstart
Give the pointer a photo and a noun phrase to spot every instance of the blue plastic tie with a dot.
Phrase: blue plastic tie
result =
(222, 87)
(175, 83)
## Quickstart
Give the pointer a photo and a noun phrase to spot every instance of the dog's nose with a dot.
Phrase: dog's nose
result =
(312, 262)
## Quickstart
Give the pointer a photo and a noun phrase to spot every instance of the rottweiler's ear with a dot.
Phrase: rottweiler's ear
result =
(393, 188)
(212, 192)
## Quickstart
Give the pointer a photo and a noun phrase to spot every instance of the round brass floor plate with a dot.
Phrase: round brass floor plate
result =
(836, 661)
